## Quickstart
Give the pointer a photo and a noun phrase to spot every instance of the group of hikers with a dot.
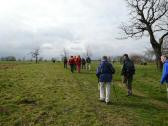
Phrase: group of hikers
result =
(105, 71)
(77, 63)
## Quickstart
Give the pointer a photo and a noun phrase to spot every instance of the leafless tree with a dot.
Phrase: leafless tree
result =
(148, 17)
(88, 51)
(65, 52)
(35, 53)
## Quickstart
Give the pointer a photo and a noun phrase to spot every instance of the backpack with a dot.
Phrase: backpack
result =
(129, 67)
(88, 60)
(106, 67)
(83, 61)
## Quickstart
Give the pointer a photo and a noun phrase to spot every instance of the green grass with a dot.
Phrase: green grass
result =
(45, 94)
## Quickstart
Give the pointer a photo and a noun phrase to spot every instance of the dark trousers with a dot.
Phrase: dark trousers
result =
(65, 65)
(128, 81)
(72, 67)
(83, 66)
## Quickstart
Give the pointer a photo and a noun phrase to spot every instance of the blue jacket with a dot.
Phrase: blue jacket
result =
(104, 71)
(165, 73)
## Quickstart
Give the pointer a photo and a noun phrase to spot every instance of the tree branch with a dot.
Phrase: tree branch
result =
(161, 39)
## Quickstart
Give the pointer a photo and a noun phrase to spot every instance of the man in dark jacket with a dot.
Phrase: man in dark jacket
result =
(88, 62)
(104, 73)
(83, 63)
(128, 71)
(65, 62)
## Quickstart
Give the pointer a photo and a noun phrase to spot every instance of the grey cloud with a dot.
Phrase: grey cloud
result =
(73, 25)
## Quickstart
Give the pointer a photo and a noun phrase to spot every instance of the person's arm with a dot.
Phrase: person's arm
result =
(164, 74)
(123, 70)
(112, 69)
(98, 72)
(133, 68)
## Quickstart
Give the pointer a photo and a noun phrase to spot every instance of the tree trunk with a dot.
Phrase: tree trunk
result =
(36, 59)
(156, 47)
(158, 54)
(158, 61)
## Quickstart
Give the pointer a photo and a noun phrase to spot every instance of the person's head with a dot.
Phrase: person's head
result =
(71, 56)
(104, 58)
(125, 56)
(163, 58)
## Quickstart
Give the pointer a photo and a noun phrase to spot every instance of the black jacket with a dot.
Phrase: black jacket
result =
(128, 68)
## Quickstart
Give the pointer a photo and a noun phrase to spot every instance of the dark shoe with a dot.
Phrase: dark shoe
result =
(101, 100)
(108, 103)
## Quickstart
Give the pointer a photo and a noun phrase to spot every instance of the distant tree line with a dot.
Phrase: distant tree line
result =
(8, 58)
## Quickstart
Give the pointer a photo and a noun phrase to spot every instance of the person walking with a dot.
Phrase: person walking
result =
(127, 72)
(83, 63)
(75, 65)
(164, 78)
(78, 63)
(104, 73)
(65, 62)
(88, 63)
(71, 63)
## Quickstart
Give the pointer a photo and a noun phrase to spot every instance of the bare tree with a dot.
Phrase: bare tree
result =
(65, 52)
(35, 53)
(148, 17)
(88, 51)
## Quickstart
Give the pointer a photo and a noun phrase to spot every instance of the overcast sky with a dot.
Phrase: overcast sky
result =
(53, 25)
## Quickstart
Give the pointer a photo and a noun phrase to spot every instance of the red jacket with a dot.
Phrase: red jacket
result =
(71, 61)
(78, 60)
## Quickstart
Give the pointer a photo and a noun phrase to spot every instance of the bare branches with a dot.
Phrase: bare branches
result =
(65, 52)
(162, 10)
(134, 30)
(160, 27)
(162, 38)
(35, 53)
(146, 15)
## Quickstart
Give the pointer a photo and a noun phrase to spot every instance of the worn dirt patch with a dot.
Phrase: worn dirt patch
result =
(7, 66)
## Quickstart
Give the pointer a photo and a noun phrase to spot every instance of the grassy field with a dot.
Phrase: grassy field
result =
(45, 94)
